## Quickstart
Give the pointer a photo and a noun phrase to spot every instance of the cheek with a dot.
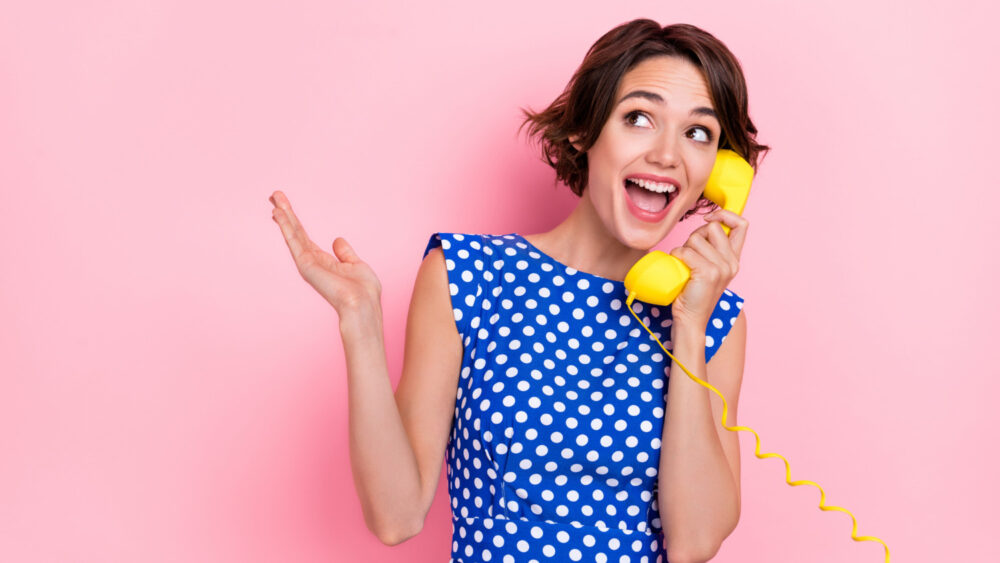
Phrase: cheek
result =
(601, 169)
(701, 168)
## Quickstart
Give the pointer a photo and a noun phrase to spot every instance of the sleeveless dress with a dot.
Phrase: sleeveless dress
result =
(555, 442)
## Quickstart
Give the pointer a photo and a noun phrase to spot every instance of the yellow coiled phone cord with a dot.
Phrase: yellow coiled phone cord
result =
(788, 469)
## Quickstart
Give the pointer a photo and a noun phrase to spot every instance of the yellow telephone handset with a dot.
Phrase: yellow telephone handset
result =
(658, 277)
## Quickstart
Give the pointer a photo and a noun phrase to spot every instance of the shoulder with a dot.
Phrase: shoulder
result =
(462, 245)
(450, 275)
(723, 321)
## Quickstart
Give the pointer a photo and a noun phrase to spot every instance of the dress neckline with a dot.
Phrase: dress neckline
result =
(568, 269)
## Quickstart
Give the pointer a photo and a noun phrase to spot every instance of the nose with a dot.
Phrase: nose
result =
(664, 150)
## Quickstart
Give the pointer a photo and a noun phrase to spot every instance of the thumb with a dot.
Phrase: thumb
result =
(344, 251)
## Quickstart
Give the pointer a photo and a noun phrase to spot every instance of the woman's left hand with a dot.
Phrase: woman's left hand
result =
(714, 259)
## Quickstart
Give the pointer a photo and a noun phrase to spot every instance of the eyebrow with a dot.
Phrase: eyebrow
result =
(654, 97)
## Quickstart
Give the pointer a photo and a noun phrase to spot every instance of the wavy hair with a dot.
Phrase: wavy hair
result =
(584, 106)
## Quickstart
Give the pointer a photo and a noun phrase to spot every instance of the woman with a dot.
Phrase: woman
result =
(522, 363)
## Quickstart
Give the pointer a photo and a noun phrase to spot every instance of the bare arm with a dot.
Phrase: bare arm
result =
(699, 480)
(700, 460)
(397, 441)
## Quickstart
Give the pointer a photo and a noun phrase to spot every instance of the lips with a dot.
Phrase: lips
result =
(649, 197)
(658, 183)
(645, 199)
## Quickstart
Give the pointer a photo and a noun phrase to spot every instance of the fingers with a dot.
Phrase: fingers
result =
(344, 251)
(295, 236)
(737, 224)
(710, 250)
(281, 202)
(288, 231)
(718, 245)
(700, 254)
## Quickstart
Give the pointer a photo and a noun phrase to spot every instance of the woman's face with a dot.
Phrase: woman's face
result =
(662, 132)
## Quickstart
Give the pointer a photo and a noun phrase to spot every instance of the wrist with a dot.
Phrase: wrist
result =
(687, 329)
(364, 319)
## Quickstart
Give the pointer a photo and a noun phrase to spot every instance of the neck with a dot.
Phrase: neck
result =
(583, 242)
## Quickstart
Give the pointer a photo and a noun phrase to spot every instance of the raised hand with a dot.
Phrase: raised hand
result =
(342, 279)
(714, 259)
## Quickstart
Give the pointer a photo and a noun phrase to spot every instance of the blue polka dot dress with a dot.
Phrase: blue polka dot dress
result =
(555, 442)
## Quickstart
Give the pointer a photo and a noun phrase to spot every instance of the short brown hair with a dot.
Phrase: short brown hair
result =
(586, 103)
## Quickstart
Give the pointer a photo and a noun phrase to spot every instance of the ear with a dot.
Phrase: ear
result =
(575, 141)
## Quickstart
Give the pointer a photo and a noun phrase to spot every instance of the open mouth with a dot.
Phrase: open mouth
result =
(648, 195)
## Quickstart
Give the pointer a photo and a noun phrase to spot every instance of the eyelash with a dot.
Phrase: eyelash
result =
(636, 113)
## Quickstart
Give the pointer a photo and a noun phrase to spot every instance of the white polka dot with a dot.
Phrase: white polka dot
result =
(527, 385)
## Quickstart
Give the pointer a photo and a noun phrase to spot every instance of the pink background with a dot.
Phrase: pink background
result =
(172, 390)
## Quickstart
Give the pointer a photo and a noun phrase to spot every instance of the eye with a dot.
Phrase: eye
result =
(637, 118)
(706, 135)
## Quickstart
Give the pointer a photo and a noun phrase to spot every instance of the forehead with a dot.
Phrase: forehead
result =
(674, 78)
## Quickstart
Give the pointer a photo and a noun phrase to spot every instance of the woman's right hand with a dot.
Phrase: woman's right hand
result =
(342, 278)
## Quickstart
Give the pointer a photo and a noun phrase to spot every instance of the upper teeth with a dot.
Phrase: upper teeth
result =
(654, 186)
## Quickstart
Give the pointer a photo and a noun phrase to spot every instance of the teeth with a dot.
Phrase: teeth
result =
(653, 186)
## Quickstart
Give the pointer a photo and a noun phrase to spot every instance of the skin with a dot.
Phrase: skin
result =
(700, 461)
(398, 440)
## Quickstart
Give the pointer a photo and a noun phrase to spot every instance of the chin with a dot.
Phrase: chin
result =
(643, 240)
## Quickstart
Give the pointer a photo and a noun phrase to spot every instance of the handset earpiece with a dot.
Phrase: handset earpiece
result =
(658, 278)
